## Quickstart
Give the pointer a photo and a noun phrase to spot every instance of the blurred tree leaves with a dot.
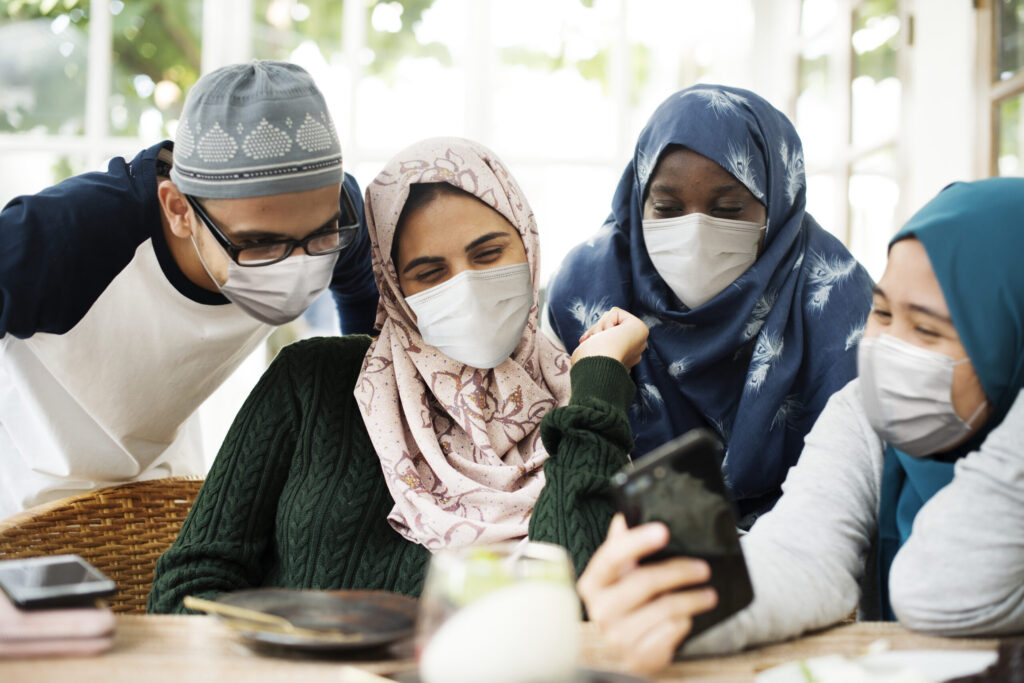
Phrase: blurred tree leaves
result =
(282, 25)
(157, 53)
(154, 42)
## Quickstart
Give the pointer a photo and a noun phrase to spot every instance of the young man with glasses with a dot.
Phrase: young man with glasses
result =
(127, 297)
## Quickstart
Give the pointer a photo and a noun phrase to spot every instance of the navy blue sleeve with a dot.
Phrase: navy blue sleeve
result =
(353, 287)
(59, 249)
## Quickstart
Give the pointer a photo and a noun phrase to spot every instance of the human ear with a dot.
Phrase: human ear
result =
(175, 208)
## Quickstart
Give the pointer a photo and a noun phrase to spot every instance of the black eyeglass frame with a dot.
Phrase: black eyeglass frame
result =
(346, 234)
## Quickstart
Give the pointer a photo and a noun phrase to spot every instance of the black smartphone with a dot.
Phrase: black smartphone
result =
(680, 484)
(53, 581)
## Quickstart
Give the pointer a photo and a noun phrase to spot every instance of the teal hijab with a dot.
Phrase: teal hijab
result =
(974, 236)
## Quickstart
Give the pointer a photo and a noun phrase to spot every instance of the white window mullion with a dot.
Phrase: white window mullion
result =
(840, 78)
(478, 69)
(97, 93)
(620, 82)
(227, 33)
(353, 41)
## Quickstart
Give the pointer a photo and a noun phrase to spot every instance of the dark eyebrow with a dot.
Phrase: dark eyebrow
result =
(422, 260)
(328, 223)
(440, 259)
(720, 189)
(917, 308)
(924, 310)
(485, 238)
(277, 237)
(662, 187)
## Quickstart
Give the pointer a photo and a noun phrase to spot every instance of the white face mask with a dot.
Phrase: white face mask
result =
(698, 256)
(478, 316)
(277, 293)
(907, 394)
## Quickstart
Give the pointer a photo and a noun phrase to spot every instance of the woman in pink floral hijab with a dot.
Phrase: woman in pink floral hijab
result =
(459, 445)
(352, 460)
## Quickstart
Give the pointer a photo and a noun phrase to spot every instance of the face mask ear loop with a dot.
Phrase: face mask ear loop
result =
(984, 402)
(977, 412)
(202, 262)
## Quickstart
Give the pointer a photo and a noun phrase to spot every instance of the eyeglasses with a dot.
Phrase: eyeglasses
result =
(264, 253)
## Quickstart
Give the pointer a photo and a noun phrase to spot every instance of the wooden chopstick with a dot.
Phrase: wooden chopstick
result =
(273, 621)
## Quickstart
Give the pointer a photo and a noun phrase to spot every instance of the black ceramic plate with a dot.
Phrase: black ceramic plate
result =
(346, 620)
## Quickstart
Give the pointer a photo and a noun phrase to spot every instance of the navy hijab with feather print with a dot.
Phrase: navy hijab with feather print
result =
(758, 361)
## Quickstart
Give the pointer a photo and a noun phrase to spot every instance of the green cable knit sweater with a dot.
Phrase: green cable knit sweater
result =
(296, 497)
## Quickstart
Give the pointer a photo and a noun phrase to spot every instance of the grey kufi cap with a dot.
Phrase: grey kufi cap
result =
(249, 130)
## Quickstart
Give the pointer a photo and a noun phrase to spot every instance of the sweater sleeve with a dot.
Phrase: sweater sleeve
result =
(587, 440)
(806, 556)
(223, 540)
(961, 571)
(353, 286)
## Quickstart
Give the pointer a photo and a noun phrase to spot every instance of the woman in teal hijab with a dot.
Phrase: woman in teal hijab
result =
(921, 457)
(973, 235)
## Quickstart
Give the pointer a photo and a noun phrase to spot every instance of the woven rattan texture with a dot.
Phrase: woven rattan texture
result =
(121, 530)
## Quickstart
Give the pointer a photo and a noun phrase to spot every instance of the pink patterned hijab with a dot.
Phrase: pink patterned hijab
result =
(460, 447)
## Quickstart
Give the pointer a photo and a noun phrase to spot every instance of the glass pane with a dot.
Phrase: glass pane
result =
(874, 195)
(414, 83)
(1011, 136)
(43, 52)
(563, 222)
(406, 64)
(29, 172)
(815, 119)
(822, 204)
(281, 27)
(156, 60)
(1010, 34)
(817, 15)
(875, 90)
(564, 61)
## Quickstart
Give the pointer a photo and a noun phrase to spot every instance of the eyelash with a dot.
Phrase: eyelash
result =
(886, 317)
(488, 255)
(717, 209)
(492, 253)
(426, 275)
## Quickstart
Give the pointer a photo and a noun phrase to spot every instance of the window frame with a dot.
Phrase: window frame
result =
(844, 153)
(992, 91)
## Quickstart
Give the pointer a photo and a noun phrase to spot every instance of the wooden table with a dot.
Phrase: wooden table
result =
(151, 649)
(850, 640)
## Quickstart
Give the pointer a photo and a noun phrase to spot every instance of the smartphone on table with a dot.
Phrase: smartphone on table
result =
(680, 484)
(53, 581)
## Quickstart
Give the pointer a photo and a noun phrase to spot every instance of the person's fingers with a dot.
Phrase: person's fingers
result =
(616, 316)
(644, 584)
(621, 550)
(679, 607)
(604, 322)
(611, 318)
(618, 525)
(656, 648)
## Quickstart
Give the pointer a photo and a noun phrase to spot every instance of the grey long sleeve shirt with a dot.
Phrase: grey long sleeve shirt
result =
(961, 572)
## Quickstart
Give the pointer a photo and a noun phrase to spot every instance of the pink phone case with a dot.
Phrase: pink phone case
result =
(72, 631)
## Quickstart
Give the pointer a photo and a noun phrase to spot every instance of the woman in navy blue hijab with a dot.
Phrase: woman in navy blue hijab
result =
(754, 310)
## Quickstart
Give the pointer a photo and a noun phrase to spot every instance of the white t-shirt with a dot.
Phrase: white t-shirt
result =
(114, 399)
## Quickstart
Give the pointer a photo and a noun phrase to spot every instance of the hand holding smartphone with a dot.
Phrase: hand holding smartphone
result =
(680, 484)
